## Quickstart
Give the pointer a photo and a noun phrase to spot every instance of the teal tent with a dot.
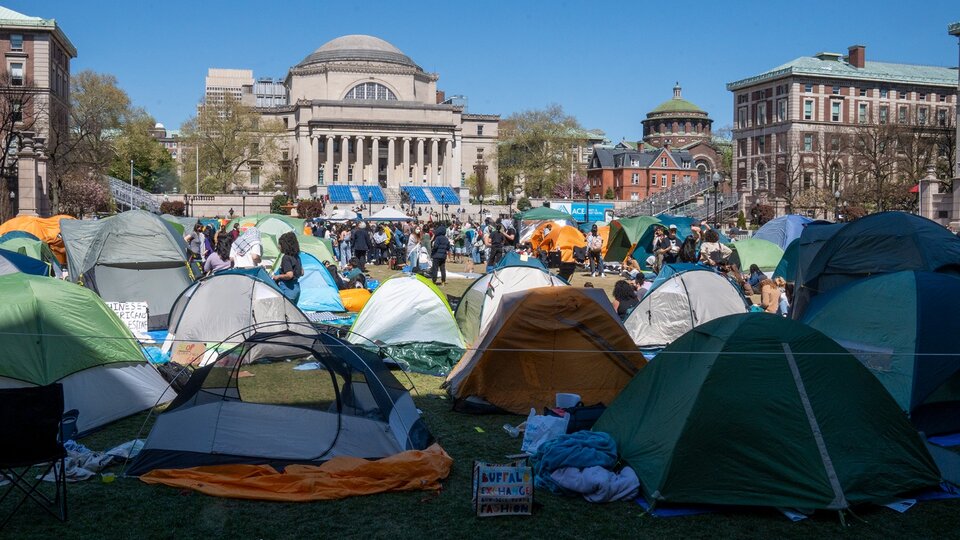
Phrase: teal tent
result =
(12, 262)
(759, 410)
(902, 327)
(318, 290)
(516, 259)
(787, 267)
(626, 237)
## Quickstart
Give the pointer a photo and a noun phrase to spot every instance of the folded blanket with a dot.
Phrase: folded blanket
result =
(580, 450)
(597, 484)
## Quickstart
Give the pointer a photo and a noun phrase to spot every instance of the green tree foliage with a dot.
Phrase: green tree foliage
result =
(524, 204)
(153, 168)
(276, 204)
(609, 195)
(535, 149)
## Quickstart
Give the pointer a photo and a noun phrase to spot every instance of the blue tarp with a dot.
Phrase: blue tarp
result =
(12, 262)
(318, 291)
(783, 230)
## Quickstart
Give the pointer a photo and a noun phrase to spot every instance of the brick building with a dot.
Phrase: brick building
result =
(681, 125)
(793, 124)
(633, 175)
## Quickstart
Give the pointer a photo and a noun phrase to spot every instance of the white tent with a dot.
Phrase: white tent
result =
(481, 300)
(342, 215)
(389, 214)
(681, 302)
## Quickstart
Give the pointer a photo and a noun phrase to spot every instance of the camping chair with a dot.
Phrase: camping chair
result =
(31, 430)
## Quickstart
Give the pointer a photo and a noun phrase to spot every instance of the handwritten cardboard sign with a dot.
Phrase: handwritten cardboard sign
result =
(134, 314)
(502, 490)
(187, 352)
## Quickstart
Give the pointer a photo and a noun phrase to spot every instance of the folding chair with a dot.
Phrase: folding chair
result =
(31, 431)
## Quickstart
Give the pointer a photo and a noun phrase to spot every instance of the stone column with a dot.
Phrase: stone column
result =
(359, 165)
(448, 168)
(344, 158)
(405, 174)
(328, 167)
(315, 146)
(391, 162)
(457, 159)
(305, 161)
(434, 160)
(375, 161)
(418, 173)
(26, 180)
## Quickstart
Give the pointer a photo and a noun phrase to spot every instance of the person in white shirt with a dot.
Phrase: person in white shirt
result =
(247, 251)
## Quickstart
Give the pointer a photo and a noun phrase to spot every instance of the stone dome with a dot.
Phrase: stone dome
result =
(358, 48)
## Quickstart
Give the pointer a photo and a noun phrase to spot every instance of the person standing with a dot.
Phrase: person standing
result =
(288, 277)
(494, 240)
(441, 246)
(470, 245)
(360, 238)
(594, 251)
(247, 250)
(219, 259)
(346, 247)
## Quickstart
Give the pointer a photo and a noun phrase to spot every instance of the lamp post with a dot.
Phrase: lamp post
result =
(243, 196)
(716, 192)
(481, 206)
(717, 220)
(443, 207)
(370, 202)
(836, 208)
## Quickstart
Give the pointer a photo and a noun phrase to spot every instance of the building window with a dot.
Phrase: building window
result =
(761, 144)
(255, 177)
(863, 92)
(761, 114)
(834, 111)
(807, 180)
(673, 179)
(320, 174)
(663, 180)
(903, 115)
(663, 162)
(16, 73)
(16, 42)
(834, 143)
(808, 142)
(883, 93)
(742, 117)
(808, 87)
(479, 130)
(922, 116)
(686, 179)
(635, 179)
(634, 196)
(742, 98)
(943, 98)
(808, 109)
(903, 95)
(836, 90)
(371, 90)
(922, 96)
(17, 112)
(634, 162)
(781, 110)
(862, 113)
(942, 117)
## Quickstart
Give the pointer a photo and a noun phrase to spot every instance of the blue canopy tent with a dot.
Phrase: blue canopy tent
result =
(12, 262)
(318, 290)
(515, 259)
(783, 230)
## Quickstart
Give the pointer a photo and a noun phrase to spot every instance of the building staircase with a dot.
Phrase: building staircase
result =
(129, 197)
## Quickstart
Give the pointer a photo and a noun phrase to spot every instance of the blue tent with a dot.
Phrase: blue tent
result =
(902, 327)
(787, 268)
(515, 259)
(12, 262)
(669, 270)
(876, 244)
(210, 222)
(783, 230)
(684, 229)
(318, 290)
(17, 234)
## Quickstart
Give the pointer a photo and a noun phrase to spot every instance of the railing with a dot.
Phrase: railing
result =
(131, 197)
(665, 201)
(706, 210)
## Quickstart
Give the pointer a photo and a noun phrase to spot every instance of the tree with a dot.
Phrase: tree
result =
(609, 195)
(877, 187)
(174, 208)
(536, 149)
(580, 188)
(232, 138)
(82, 195)
(19, 110)
(153, 168)
(524, 204)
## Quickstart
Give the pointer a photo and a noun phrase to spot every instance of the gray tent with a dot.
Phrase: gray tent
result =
(131, 257)
(356, 408)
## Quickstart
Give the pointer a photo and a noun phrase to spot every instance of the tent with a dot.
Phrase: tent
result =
(318, 290)
(229, 306)
(762, 253)
(130, 257)
(681, 301)
(787, 267)
(29, 245)
(54, 331)
(814, 235)
(536, 218)
(760, 410)
(389, 214)
(625, 235)
(902, 326)
(12, 262)
(876, 244)
(357, 409)
(343, 214)
(544, 341)
(320, 248)
(684, 229)
(409, 315)
(480, 301)
(276, 224)
(45, 229)
(782, 230)
(182, 224)
(519, 259)
(563, 238)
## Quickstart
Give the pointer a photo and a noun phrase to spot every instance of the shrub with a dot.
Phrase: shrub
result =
(276, 205)
(741, 220)
(310, 209)
(524, 204)
(609, 195)
(174, 208)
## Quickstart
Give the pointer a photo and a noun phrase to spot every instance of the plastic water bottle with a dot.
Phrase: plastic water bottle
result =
(511, 431)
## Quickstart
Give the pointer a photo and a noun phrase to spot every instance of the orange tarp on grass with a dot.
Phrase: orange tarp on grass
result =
(338, 478)
(46, 229)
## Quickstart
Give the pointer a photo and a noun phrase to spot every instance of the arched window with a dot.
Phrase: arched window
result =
(371, 90)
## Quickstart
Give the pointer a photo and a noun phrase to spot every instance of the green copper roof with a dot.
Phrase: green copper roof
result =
(834, 67)
(676, 105)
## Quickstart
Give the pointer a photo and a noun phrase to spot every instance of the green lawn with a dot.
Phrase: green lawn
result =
(128, 508)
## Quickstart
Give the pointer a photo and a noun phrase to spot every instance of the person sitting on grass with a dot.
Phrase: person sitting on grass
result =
(353, 277)
(624, 298)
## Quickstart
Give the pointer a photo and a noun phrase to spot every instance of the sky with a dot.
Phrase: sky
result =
(607, 63)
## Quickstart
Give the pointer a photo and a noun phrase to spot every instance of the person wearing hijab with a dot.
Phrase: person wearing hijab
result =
(246, 251)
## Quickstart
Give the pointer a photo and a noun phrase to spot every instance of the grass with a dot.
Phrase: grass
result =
(128, 508)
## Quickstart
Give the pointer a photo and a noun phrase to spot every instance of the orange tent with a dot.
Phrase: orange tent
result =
(46, 229)
(564, 238)
(537, 238)
(604, 232)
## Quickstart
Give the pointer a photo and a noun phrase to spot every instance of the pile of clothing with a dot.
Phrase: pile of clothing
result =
(584, 463)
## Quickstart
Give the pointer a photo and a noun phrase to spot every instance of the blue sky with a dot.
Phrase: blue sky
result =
(607, 63)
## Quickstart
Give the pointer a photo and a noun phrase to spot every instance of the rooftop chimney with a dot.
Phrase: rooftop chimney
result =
(857, 56)
(441, 96)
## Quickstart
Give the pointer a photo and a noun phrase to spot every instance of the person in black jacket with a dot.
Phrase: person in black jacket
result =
(441, 245)
(360, 238)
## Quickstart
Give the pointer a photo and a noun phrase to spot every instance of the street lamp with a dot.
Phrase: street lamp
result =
(481, 206)
(717, 224)
(442, 206)
(243, 195)
(716, 192)
(370, 202)
(836, 208)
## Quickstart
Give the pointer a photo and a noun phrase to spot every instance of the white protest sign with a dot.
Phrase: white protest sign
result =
(133, 314)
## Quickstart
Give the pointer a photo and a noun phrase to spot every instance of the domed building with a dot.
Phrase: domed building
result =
(365, 120)
(678, 124)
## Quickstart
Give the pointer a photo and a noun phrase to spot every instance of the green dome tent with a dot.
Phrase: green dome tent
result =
(55, 331)
(759, 410)
(625, 234)
(31, 246)
(902, 326)
(762, 253)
